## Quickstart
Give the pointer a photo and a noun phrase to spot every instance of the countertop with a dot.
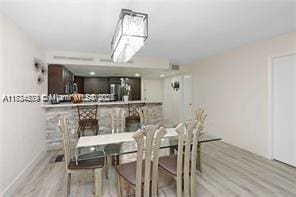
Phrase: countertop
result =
(98, 103)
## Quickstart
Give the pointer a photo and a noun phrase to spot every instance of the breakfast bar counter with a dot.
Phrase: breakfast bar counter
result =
(53, 112)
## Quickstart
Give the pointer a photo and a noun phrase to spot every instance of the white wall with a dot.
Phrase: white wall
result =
(233, 88)
(22, 124)
(173, 103)
(152, 89)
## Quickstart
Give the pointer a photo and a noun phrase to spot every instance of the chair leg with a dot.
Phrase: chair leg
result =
(198, 162)
(97, 129)
(118, 186)
(98, 182)
(68, 184)
(108, 162)
(83, 131)
(78, 132)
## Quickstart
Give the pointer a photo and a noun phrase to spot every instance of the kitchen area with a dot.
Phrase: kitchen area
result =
(107, 89)
(63, 82)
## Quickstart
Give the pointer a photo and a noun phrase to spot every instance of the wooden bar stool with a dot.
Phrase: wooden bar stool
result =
(87, 119)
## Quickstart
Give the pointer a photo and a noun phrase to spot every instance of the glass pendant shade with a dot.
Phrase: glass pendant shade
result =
(130, 35)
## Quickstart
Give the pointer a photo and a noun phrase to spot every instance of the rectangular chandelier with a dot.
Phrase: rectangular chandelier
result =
(130, 34)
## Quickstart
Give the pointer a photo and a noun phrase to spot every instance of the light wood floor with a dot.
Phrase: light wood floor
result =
(227, 171)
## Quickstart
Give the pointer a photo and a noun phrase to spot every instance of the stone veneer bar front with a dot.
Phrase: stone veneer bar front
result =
(54, 112)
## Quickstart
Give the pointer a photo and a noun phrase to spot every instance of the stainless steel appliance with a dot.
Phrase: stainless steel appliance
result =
(115, 89)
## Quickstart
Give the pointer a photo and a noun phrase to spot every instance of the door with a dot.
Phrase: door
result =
(285, 109)
(187, 98)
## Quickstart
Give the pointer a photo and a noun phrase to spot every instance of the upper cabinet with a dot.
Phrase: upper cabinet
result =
(60, 80)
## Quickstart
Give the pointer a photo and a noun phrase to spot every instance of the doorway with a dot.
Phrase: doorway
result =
(283, 113)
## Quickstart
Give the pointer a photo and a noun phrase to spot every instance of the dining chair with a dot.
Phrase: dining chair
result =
(180, 166)
(200, 116)
(94, 164)
(117, 120)
(87, 118)
(142, 175)
(117, 126)
(145, 115)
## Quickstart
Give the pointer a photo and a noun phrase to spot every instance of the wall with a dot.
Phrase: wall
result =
(173, 104)
(22, 125)
(152, 89)
(233, 88)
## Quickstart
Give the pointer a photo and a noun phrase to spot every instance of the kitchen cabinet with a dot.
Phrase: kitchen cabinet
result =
(96, 85)
(60, 80)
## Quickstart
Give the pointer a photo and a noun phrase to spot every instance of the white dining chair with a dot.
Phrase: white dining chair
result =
(71, 166)
(142, 175)
(183, 165)
(145, 114)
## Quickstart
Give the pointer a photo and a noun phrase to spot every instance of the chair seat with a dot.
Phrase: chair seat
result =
(87, 164)
(88, 122)
(128, 172)
(169, 164)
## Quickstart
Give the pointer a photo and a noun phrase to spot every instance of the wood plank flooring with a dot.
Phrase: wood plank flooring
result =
(227, 171)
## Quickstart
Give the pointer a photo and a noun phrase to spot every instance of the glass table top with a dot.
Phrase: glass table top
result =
(91, 152)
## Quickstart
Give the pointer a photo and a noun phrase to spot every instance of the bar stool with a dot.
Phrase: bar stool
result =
(87, 118)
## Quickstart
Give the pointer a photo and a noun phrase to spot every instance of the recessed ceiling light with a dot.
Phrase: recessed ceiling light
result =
(137, 75)
(92, 73)
(162, 75)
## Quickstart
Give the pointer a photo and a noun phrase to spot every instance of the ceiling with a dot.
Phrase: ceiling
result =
(107, 71)
(182, 31)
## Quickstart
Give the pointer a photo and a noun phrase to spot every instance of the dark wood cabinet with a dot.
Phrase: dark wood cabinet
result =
(60, 80)
(96, 85)
(114, 80)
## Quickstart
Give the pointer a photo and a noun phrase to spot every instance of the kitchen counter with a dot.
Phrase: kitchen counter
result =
(53, 112)
(69, 104)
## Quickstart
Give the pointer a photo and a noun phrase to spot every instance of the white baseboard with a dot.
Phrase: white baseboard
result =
(8, 191)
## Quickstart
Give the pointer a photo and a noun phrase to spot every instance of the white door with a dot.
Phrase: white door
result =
(285, 109)
(187, 98)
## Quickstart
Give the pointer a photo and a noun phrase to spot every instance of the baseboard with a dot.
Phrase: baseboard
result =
(8, 191)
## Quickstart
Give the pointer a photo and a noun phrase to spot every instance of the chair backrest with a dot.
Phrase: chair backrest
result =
(145, 115)
(188, 134)
(201, 116)
(148, 139)
(67, 145)
(117, 120)
(87, 112)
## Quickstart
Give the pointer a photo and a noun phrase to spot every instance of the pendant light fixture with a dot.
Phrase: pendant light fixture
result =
(130, 34)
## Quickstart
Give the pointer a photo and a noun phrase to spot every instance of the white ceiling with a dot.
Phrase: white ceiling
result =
(179, 30)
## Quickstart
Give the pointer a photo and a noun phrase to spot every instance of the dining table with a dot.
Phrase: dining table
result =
(117, 144)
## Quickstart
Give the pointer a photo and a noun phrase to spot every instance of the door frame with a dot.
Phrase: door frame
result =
(271, 114)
